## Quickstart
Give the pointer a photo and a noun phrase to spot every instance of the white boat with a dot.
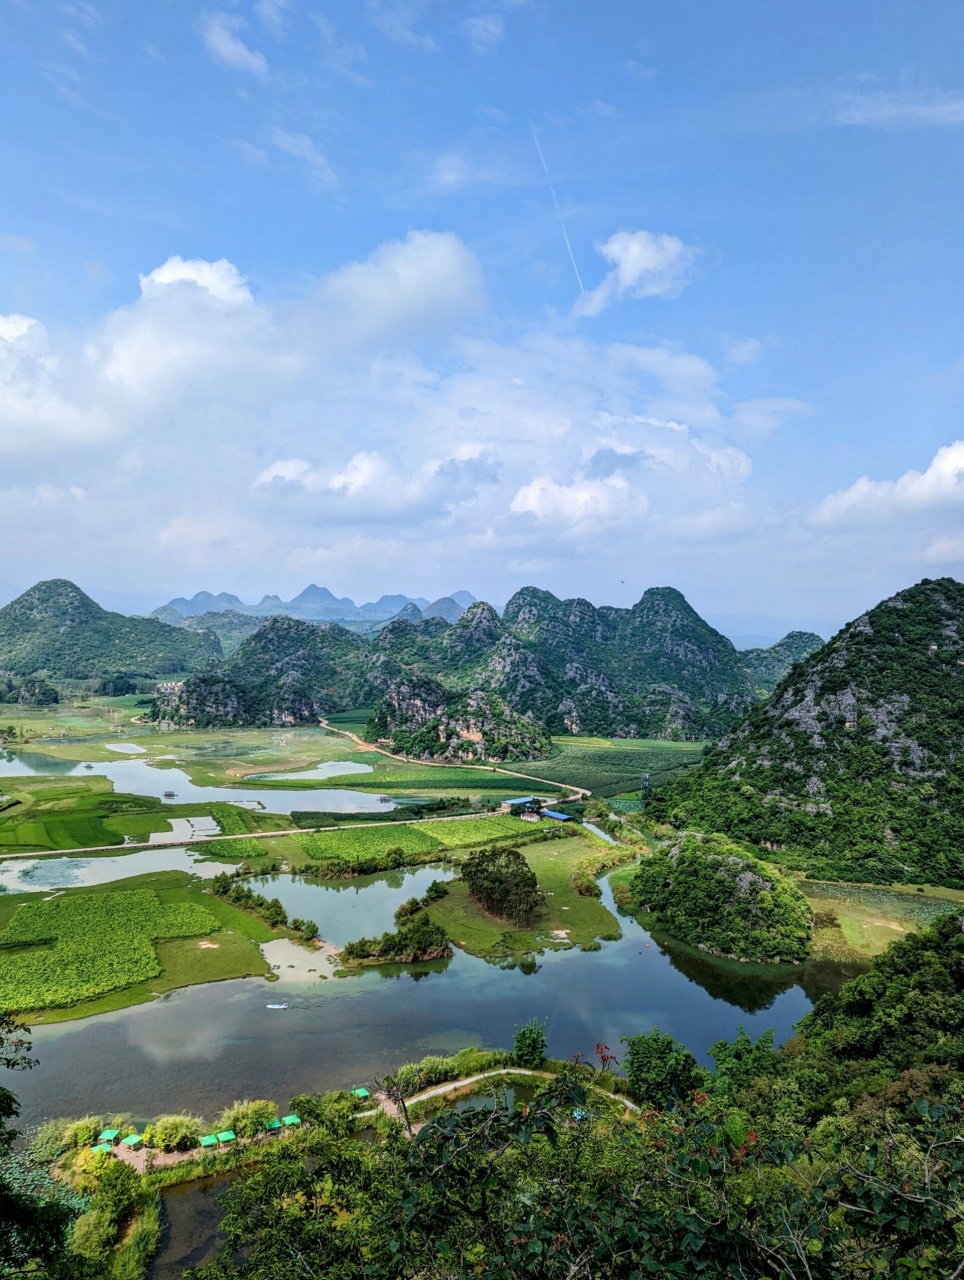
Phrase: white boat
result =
(284, 1005)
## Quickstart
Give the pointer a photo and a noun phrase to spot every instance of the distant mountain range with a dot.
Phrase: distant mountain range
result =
(315, 604)
(854, 768)
(655, 670)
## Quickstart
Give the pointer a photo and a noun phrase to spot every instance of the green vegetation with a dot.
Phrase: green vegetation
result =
(529, 1045)
(492, 687)
(227, 949)
(855, 768)
(247, 1118)
(502, 883)
(660, 1071)
(76, 947)
(708, 891)
(564, 918)
(419, 940)
(844, 1151)
(232, 823)
(56, 629)
(607, 766)
(467, 832)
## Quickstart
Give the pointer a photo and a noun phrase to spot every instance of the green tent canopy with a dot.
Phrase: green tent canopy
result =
(209, 1140)
(132, 1140)
(109, 1135)
(272, 1125)
(360, 1093)
(291, 1120)
(227, 1135)
(105, 1147)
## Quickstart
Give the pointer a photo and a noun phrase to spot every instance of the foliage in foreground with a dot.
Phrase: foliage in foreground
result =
(709, 892)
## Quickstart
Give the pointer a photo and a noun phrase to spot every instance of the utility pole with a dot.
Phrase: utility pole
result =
(643, 791)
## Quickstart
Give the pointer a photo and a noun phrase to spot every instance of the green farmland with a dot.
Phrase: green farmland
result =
(609, 766)
(88, 951)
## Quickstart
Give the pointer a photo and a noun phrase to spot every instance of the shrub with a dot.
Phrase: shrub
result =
(93, 1235)
(529, 1045)
(331, 1112)
(174, 1133)
(661, 1070)
(49, 1141)
(503, 883)
(248, 1118)
(82, 1132)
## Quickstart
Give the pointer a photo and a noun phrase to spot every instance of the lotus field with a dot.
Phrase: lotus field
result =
(465, 833)
(81, 946)
(359, 847)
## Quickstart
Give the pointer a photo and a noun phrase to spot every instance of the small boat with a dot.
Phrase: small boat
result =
(88, 766)
(283, 1005)
(169, 795)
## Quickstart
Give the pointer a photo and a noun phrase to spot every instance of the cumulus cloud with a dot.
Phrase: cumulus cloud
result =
(219, 32)
(645, 265)
(221, 280)
(574, 503)
(941, 485)
(373, 422)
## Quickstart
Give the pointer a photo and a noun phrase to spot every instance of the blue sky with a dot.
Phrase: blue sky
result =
(397, 295)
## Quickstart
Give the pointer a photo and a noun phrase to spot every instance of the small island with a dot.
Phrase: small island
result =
(709, 892)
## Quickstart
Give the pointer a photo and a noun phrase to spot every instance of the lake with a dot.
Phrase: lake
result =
(140, 778)
(199, 1048)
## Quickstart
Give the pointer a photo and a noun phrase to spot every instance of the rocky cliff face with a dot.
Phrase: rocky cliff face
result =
(420, 718)
(855, 766)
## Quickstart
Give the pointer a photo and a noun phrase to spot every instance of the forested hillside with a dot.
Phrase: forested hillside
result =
(655, 670)
(855, 767)
(55, 630)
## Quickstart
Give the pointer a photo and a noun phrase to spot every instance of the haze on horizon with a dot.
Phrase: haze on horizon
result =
(410, 297)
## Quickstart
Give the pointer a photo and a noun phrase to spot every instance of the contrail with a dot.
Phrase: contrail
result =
(555, 201)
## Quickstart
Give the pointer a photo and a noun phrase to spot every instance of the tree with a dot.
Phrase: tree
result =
(503, 883)
(33, 1231)
(529, 1045)
(660, 1070)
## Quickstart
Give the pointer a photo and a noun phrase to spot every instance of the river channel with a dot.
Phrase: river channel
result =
(199, 1048)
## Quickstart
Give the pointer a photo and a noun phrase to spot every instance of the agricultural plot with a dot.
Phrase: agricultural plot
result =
(466, 833)
(354, 844)
(608, 766)
(76, 947)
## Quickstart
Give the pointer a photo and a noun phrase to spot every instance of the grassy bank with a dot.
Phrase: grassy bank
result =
(566, 919)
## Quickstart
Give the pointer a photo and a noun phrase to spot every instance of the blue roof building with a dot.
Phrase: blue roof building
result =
(559, 817)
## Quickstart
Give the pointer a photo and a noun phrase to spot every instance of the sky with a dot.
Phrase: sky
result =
(403, 296)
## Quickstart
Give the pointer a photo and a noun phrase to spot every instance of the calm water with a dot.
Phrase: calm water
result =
(202, 1047)
(138, 778)
(26, 875)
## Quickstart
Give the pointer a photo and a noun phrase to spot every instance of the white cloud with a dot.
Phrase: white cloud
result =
(767, 414)
(221, 280)
(645, 265)
(343, 57)
(219, 31)
(301, 147)
(576, 503)
(484, 32)
(945, 549)
(398, 20)
(903, 109)
(273, 14)
(372, 424)
(942, 484)
(742, 351)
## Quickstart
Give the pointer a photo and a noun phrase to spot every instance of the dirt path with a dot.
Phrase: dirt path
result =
(386, 1105)
(577, 793)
